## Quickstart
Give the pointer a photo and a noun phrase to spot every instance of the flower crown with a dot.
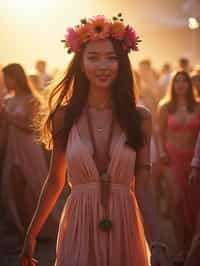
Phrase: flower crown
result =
(99, 28)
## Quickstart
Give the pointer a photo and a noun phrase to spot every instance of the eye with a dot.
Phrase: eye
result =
(112, 57)
(92, 57)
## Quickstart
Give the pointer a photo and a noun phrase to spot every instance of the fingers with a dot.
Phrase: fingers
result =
(34, 262)
(190, 180)
(28, 261)
(25, 261)
(193, 180)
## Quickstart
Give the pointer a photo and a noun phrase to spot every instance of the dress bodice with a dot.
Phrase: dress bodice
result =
(191, 125)
(81, 165)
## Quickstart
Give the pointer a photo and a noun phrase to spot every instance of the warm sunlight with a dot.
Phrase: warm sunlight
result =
(32, 29)
(24, 4)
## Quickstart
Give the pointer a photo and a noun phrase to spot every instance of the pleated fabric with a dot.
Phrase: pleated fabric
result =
(80, 241)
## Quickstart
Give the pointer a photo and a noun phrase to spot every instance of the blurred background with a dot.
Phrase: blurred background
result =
(33, 29)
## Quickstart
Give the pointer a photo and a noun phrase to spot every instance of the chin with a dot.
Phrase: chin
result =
(103, 85)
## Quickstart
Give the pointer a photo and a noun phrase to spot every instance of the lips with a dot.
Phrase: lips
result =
(103, 77)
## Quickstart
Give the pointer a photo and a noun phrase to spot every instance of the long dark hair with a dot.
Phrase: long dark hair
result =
(23, 84)
(170, 100)
(72, 93)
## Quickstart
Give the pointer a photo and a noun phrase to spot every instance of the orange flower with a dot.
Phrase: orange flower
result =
(83, 32)
(99, 27)
(118, 30)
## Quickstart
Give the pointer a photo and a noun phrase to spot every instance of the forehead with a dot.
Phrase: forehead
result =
(99, 46)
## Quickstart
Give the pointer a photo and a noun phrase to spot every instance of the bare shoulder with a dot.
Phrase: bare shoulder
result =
(58, 119)
(162, 107)
(198, 106)
(146, 116)
(144, 112)
(59, 114)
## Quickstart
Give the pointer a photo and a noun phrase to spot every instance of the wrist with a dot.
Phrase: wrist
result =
(162, 154)
(30, 236)
(195, 168)
(159, 245)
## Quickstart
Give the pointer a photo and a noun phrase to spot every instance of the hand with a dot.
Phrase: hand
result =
(164, 159)
(159, 257)
(2, 107)
(194, 176)
(28, 253)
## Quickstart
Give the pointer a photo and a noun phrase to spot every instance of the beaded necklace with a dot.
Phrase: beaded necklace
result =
(105, 223)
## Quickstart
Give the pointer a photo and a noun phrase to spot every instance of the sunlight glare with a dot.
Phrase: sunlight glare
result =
(31, 4)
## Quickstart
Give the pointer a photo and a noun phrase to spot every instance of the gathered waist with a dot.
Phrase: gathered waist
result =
(172, 148)
(84, 187)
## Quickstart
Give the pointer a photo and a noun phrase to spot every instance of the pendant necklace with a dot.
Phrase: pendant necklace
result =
(105, 223)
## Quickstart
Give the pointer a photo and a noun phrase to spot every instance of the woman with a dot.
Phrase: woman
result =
(179, 122)
(24, 168)
(193, 256)
(96, 128)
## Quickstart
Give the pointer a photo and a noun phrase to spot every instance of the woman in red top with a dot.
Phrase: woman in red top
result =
(179, 123)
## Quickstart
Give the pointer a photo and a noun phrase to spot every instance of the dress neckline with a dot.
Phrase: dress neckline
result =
(111, 151)
(99, 111)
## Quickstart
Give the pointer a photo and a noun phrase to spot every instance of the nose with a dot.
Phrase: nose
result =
(103, 64)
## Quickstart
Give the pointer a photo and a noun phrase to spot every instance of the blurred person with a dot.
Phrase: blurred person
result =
(193, 256)
(148, 80)
(195, 75)
(164, 79)
(154, 144)
(45, 78)
(184, 63)
(102, 140)
(3, 139)
(36, 81)
(179, 123)
(3, 90)
(24, 168)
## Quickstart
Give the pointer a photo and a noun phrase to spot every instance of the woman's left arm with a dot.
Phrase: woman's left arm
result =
(146, 196)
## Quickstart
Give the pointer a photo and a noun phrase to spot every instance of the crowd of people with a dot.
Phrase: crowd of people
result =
(173, 97)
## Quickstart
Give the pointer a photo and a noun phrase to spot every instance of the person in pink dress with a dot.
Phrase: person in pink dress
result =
(179, 123)
(102, 139)
(193, 256)
(24, 167)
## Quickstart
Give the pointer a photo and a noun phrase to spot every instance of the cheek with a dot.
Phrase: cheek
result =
(89, 69)
(115, 69)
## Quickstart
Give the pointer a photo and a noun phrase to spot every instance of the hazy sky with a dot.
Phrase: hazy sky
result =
(32, 29)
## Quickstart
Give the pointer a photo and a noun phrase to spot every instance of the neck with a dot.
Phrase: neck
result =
(100, 98)
(20, 93)
(181, 101)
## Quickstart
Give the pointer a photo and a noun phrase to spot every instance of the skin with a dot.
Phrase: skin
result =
(19, 99)
(101, 67)
(196, 83)
(184, 140)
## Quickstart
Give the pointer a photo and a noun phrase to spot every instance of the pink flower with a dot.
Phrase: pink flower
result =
(130, 39)
(72, 40)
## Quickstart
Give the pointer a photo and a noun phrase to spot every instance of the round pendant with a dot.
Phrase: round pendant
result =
(105, 177)
(105, 225)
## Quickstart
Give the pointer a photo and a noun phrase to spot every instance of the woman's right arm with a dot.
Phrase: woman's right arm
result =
(48, 197)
